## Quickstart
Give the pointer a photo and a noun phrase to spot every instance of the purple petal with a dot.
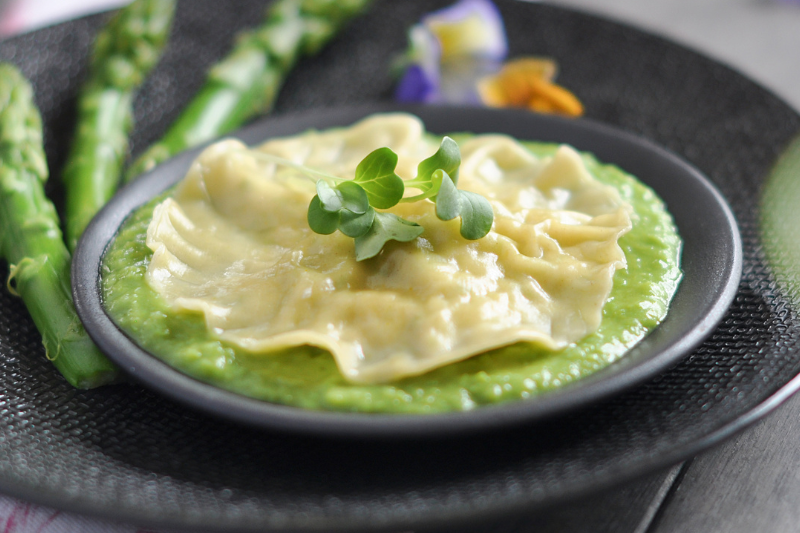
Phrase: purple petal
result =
(424, 50)
(420, 83)
(417, 86)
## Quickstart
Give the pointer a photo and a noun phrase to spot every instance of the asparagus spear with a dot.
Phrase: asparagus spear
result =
(31, 241)
(246, 82)
(124, 52)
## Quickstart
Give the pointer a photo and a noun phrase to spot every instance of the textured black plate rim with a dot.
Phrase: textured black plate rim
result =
(584, 134)
(637, 470)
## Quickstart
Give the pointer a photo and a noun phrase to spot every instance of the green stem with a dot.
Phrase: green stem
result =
(417, 198)
(31, 240)
(247, 81)
(430, 189)
(308, 171)
(124, 53)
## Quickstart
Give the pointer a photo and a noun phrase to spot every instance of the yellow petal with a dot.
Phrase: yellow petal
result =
(560, 99)
(538, 67)
(527, 82)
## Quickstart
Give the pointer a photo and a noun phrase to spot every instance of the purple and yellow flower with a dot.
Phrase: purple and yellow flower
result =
(470, 28)
(450, 50)
(456, 56)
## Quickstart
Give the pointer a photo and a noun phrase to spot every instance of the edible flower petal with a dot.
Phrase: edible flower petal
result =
(449, 51)
(528, 83)
(469, 28)
(456, 56)
(421, 80)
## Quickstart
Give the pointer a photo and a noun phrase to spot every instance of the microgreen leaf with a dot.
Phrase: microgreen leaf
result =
(386, 227)
(356, 224)
(475, 210)
(350, 205)
(375, 173)
(354, 197)
(476, 215)
(329, 198)
(447, 158)
(448, 201)
(321, 221)
(346, 195)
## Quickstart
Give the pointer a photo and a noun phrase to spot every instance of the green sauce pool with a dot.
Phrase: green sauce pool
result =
(307, 377)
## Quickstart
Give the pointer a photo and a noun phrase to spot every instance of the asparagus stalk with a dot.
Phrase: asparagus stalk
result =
(124, 53)
(31, 241)
(246, 82)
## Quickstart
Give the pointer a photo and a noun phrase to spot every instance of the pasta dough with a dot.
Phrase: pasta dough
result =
(233, 243)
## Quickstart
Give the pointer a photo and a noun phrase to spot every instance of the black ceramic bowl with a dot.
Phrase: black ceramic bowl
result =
(711, 263)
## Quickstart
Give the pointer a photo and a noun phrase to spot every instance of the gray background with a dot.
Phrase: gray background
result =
(760, 38)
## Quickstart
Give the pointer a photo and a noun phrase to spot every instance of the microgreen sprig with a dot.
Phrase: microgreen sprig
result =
(349, 205)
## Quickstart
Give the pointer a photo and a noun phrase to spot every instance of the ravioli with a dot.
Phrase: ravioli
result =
(233, 243)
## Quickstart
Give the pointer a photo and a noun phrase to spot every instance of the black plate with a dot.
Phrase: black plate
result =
(711, 264)
(127, 453)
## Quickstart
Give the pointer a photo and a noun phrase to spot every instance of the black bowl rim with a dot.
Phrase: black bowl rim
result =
(721, 266)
